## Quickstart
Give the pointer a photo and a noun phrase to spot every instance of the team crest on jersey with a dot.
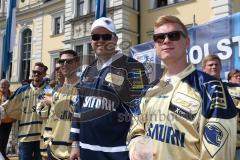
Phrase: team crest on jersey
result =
(75, 100)
(63, 110)
(216, 94)
(215, 136)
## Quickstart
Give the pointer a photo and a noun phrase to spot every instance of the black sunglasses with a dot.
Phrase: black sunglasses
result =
(57, 68)
(104, 37)
(172, 36)
(66, 61)
(37, 72)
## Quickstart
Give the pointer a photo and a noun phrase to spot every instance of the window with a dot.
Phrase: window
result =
(79, 50)
(80, 4)
(91, 55)
(160, 3)
(57, 25)
(26, 54)
(45, 1)
(92, 6)
(135, 5)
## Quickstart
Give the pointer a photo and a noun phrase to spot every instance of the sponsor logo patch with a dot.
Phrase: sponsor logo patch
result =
(114, 79)
(185, 106)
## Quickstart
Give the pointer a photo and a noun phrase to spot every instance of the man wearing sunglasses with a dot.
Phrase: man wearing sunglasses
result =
(187, 114)
(22, 106)
(110, 89)
(57, 77)
(62, 104)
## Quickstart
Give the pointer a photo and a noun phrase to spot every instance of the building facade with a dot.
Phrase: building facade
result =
(39, 36)
(79, 16)
(191, 12)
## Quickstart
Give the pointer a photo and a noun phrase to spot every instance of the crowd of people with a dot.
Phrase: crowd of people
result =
(111, 112)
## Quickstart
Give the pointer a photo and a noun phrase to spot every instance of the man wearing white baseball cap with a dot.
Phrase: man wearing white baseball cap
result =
(110, 88)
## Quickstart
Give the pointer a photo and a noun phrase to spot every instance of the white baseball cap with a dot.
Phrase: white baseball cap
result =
(104, 22)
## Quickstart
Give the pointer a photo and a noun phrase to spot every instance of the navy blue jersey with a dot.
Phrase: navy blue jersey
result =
(108, 97)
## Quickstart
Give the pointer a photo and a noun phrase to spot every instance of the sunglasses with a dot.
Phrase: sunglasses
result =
(57, 68)
(104, 37)
(66, 61)
(37, 72)
(172, 36)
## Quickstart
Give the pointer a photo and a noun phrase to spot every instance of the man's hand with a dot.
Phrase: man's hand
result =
(47, 100)
(75, 152)
(2, 113)
(143, 149)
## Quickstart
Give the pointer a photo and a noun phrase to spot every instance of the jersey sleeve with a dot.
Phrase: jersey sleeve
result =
(75, 126)
(218, 124)
(137, 127)
(12, 107)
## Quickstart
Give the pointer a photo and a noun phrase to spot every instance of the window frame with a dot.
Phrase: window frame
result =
(59, 16)
(92, 6)
(155, 4)
(57, 25)
(78, 4)
(80, 53)
(26, 48)
(91, 54)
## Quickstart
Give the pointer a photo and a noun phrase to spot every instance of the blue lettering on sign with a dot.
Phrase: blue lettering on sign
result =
(166, 134)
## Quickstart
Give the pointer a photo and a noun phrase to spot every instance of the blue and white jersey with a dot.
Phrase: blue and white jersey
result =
(188, 116)
(108, 98)
(22, 106)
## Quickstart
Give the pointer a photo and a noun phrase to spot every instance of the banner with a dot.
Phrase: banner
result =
(9, 35)
(220, 37)
(145, 53)
(100, 9)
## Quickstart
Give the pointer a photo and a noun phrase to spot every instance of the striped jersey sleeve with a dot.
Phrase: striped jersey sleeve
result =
(75, 127)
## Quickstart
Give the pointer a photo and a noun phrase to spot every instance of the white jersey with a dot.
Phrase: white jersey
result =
(189, 117)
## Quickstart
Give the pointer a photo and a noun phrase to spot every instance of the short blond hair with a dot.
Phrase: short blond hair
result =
(170, 19)
(211, 57)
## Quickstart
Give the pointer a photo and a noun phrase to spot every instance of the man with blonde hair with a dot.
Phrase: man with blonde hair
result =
(195, 117)
(212, 65)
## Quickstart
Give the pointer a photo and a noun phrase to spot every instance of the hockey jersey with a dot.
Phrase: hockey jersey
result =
(22, 106)
(58, 125)
(108, 96)
(6, 119)
(234, 91)
(187, 116)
